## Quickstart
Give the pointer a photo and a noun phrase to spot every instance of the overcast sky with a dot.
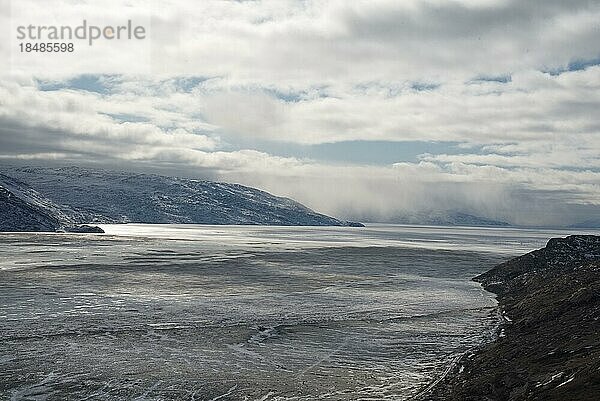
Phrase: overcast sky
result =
(360, 109)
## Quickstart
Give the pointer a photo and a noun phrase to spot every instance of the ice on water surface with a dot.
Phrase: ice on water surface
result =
(232, 313)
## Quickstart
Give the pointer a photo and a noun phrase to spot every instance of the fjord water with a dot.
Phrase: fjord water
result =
(174, 312)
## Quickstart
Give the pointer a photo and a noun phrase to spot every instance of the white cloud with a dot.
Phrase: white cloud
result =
(314, 72)
(297, 43)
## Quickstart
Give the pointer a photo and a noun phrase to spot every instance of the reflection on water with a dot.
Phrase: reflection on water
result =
(512, 241)
(233, 313)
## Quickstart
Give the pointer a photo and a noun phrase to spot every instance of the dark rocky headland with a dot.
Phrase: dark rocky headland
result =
(548, 348)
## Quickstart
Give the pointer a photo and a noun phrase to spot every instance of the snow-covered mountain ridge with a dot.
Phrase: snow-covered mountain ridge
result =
(74, 195)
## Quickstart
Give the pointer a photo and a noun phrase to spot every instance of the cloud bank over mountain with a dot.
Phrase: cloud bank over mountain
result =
(505, 92)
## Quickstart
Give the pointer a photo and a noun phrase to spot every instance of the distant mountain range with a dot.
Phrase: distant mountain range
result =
(591, 223)
(63, 198)
(48, 199)
(446, 218)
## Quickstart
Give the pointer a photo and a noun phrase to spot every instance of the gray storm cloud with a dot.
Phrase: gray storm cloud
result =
(516, 85)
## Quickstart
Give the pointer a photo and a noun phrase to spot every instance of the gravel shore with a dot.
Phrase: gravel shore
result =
(549, 345)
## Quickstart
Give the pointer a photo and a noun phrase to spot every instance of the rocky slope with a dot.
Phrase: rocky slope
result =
(549, 346)
(18, 215)
(78, 195)
(24, 209)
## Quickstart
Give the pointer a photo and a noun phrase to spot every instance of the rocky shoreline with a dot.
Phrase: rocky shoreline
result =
(548, 347)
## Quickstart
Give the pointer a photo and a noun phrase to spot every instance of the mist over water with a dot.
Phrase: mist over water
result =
(155, 312)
